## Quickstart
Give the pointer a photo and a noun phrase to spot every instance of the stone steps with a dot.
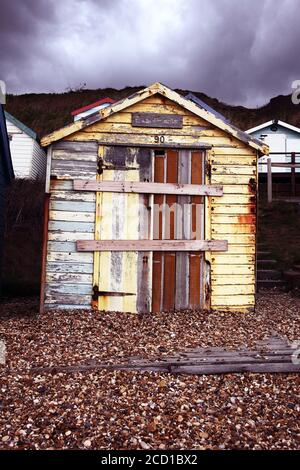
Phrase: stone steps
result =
(263, 274)
(293, 278)
(280, 284)
(268, 277)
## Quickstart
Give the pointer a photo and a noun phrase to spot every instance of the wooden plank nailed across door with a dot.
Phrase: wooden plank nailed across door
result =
(149, 188)
(152, 245)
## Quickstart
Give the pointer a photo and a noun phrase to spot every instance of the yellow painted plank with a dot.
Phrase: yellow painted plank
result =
(121, 128)
(232, 179)
(235, 279)
(146, 139)
(233, 289)
(232, 200)
(224, 258)
(238, 160)
(241, 249)
(238, 239)
(232, 209)
(237, 188)
(233, 170)
(242, 309)
(233, 300)
(242, 150)
(233, 219)
(223, 229)
(224, 270)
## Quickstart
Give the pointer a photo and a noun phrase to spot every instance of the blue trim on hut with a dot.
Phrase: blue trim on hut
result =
(6, 177)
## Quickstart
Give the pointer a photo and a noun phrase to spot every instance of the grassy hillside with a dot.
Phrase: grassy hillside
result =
(45, 112)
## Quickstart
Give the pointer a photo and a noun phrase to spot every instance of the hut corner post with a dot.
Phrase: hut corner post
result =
(45, 231)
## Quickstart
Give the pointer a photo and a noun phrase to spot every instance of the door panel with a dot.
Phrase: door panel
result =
(158, 257)
(124, 276)
(196, 232)
(177, 277)
(143, 282)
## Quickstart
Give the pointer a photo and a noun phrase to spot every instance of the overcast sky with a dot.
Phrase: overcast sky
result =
(240, 51)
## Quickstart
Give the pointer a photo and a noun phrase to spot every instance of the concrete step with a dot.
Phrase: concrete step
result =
(261, 246)
(264, 254)
(268, 274)
(271, 283)
(266, 263)
(292, 277)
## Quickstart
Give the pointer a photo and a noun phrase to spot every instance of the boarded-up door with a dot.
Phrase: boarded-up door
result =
(144, 281)
(178, 277)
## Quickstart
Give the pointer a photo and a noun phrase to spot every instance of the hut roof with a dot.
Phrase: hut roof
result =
(157, 88)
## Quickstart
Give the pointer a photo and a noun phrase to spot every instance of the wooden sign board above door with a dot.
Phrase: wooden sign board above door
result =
(168, 121)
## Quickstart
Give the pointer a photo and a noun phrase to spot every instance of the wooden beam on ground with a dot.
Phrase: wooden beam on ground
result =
(148, 188)
(264, 368)
(152, 245)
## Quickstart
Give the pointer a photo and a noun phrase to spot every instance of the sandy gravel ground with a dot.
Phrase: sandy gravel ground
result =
(134, 410)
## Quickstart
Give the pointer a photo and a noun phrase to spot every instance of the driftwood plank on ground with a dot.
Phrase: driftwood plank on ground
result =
(274, 355)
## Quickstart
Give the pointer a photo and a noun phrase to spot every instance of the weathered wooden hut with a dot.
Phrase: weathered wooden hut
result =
(6, 176)
(151, 206)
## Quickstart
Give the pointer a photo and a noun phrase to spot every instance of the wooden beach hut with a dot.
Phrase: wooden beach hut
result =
(150, 206)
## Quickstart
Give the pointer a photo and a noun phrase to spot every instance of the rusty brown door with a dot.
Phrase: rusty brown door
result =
(177, 278)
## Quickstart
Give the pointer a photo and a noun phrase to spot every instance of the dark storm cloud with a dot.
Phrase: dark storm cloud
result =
(241, 51)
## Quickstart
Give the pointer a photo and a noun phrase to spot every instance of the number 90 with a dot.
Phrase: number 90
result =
(159, 139)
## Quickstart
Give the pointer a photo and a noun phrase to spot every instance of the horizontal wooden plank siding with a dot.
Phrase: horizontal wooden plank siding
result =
(72, 214)
(233, 217)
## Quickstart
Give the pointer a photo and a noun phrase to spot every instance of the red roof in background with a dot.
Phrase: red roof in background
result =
(92, 105)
